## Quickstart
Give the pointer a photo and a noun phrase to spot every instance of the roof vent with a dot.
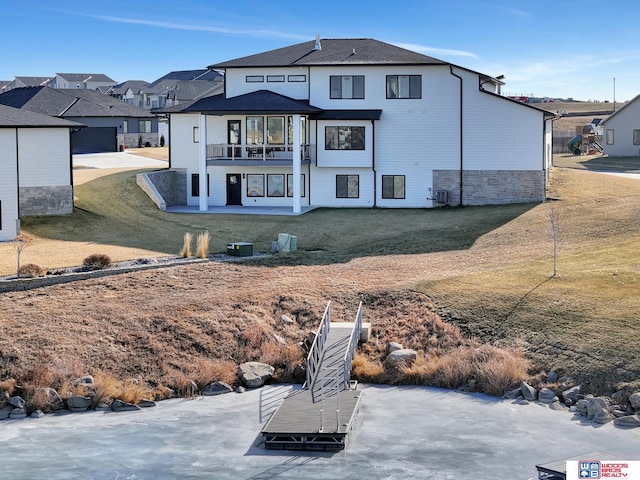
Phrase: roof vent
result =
(318, 45)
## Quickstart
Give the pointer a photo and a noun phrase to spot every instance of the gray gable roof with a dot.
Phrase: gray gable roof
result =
(15, 117)
(194, 90)
(351, 51)
(262, 101)
(34, 81)
(189, 75)
(630, 102)
(135, 85)
(70, 103)
(81, 77)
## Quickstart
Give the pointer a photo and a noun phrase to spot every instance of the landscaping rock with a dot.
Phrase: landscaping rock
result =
(300, 374)
(630, 421)
(240, 389)
(556, 405)
(87, 380)
(120, 406)
(37, 414)
(634, 400)
(255, 374)
(512, 394)
(146, 403)
(216, 388)
(393, 346)
(78, 403)
(101, 407)
(546, 395)
(400, 358)
(286, 320)
(602, 416)
(54, 401)
(571, 394)
(279, 339)
(552, 377)
(523, 402)
(17, 402)
(5, 412)
(528, 392)
(594, 405)
(581, 406)
(18, 413)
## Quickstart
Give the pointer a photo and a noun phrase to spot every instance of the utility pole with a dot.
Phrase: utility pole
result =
(614, 94)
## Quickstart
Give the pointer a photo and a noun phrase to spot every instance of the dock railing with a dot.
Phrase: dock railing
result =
(315, 352)
(352, 346)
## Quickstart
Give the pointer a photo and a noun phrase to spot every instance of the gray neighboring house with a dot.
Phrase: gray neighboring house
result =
(182, 86)
(35, 167)
(112, 124)
(20, 82)
(3, 85)
(622, 130)
(85, 81)
(129, 92)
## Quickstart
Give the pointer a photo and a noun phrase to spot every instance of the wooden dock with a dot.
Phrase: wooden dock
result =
(320, 416)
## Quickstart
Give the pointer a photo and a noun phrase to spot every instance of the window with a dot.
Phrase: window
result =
(348, 86)
(255, 185)
(275, 78)
(404, 86)
(144, 126)
(255, 130)
(303, 130)
(254, 78)
(195, 185)
(344, 138)
(196, 134)
(393, 186)
(125, 126)
(275, 130)
(275, 185)
(347, 186)
(297, 78)
(290, 185)
(609, 135)
(636, 137)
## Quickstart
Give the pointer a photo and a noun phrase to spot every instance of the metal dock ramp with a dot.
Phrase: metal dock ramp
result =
(320, 416)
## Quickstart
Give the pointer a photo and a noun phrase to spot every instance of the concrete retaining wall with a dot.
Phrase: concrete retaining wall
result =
(166, 188)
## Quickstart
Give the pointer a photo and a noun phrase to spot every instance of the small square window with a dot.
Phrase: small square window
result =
(636, 137)
(609, 135)
(196, 134)
(347, 186)
(393, 186)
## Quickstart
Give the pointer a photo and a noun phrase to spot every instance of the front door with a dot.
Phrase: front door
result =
(234, 189)
(233, 138)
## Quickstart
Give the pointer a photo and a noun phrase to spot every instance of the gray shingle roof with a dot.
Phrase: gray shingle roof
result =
(34, 81)
(80, 77)
(351, 51)
(70, 103)
(16, 117)
(262, 101)
(194, 90)
(189, 75)
(135, 85)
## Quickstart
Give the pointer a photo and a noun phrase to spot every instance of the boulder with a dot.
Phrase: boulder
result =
(634, 400)
(528, 392)
(5, 412)
(17, 402)
(393, 346)
(523, 402)
(240, 389)
(18, 413)
(78, 403)
(299, 373)
(87, 380)
(51, 398)
(286, 320)
(556, 405)
(120, 406)
(400, 358)
(594, 405)
(216, 388)
(279, 339)
(512, 394)
(572, 393)
(602, 416)
(552, 377)
(630, 421)
(146, 403)
(37, 414)
(546, 395)
(581, 406)
(255, 374)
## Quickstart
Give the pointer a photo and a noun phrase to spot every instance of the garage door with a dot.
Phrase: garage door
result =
(94, 139)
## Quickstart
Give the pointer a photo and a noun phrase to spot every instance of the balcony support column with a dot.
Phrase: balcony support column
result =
(297, 163)
(202, 164)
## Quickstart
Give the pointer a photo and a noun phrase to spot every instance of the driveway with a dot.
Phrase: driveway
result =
(115, 160)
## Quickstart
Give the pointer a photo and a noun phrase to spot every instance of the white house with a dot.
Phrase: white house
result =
(622, 130)
(86, 81)
(35, 167)
(357, 123)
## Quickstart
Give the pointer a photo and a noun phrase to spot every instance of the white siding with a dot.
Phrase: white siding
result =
(345, 158)
(184, 152)
(623, 124)
(236, 84)
(8, 184)
(44, 157)
(323, 187)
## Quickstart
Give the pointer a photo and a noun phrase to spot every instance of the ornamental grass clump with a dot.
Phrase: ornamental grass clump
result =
(202, 248)
(185, 251)
(31, 270)
(97, 260)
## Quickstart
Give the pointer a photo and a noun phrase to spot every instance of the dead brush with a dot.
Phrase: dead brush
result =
(133, 390)
(367, 370)
(31, 270)
(184, 386)
(205, 371)
(497, 370)
(97, 261)
(105, 388)
(185, 251)
(283, 357)
(202, 244)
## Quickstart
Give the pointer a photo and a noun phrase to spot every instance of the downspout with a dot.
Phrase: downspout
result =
(170, 140)
(373, 163)
(18, 181)
(461, 138)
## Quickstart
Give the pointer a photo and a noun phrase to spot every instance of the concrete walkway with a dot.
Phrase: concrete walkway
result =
(115, 160)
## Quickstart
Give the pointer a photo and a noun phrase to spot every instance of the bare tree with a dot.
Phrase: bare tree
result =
(20, 243)
(555, 219)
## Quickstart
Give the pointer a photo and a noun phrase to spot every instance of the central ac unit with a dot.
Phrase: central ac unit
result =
(442, 196)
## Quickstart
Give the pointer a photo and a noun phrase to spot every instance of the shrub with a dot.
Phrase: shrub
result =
(20, 243)
(97, 260)
(31, 270)
(202, 247)
(185, 251)
(147, 144)
(162, 140)
(368, 371)
(7, 387)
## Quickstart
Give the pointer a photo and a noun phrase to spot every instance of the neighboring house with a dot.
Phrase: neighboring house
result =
(622, 130)
(3, 85)
(35, 167)
(20, 82)
(111, 123)
(164, 91)
(129, 92)
(357, 123)
(87, 81)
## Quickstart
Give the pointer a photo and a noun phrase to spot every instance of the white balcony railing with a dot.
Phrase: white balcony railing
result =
(225, 151)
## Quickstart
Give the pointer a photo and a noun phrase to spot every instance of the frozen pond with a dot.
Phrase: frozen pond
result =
(401, 433)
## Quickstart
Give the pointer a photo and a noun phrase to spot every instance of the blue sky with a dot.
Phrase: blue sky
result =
(553, 48)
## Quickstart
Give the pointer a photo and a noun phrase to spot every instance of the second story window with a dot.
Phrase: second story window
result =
(404, 86)
(344, 138)
(346, 86)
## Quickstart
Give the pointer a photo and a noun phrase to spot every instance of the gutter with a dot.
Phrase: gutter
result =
(461, 138)
(373, 164)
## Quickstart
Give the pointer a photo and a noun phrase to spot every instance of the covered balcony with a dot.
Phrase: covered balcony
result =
(220, 154)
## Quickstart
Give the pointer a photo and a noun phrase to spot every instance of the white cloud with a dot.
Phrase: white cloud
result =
(435, 50)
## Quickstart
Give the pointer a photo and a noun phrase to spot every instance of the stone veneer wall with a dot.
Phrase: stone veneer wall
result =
(491, 187)
(45, 200)
(171, 184)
